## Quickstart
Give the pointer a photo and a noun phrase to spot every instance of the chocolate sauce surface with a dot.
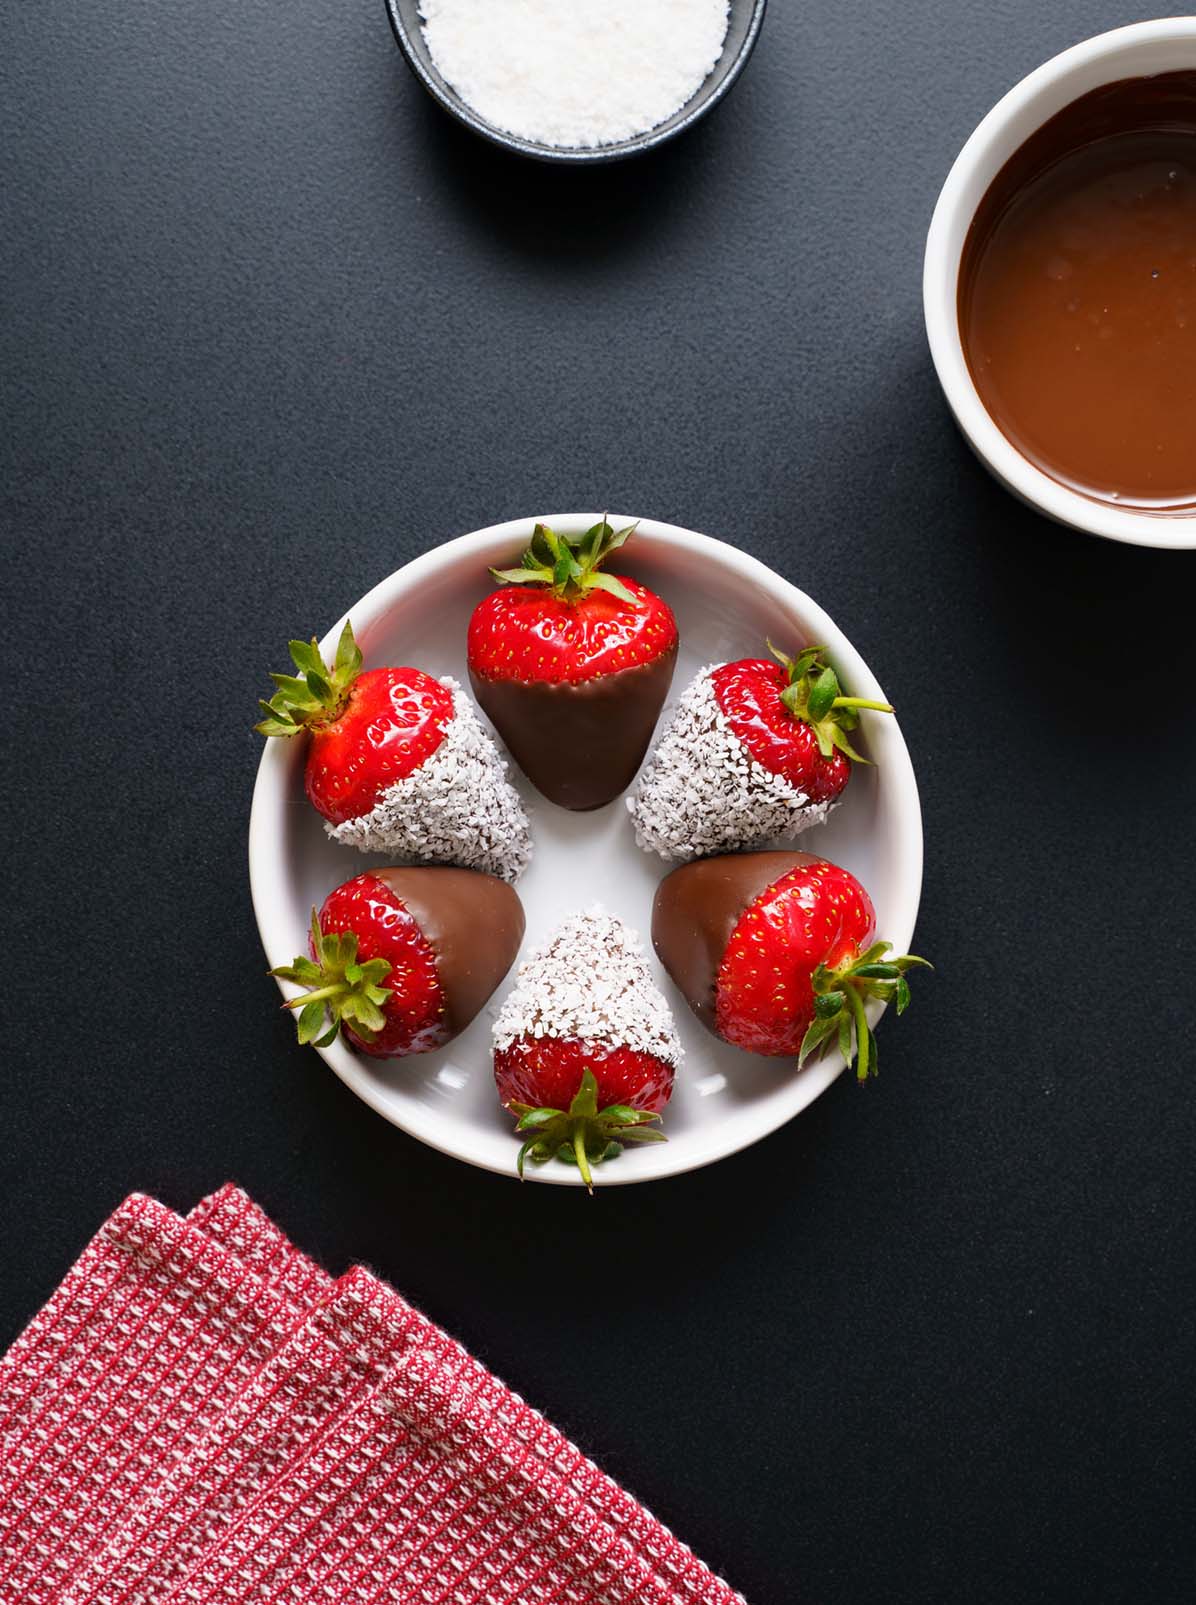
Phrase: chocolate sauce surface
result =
(697, 907)
(474, 924)
(579, 744)
(1077, 294)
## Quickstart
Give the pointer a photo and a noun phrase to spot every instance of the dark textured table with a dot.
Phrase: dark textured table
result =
(272, 326)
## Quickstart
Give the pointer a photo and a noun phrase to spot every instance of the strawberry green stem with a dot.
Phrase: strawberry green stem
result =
(317, 694)
(583, 1134)
(813, 695)
(839, 1002)
(339, 990)
(861, 702)
(570, 565)
(317, 996)
(579, 1149)
(863, 1035)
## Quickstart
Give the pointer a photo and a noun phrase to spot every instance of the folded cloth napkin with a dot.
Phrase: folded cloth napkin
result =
(158, 1327)
(202, 1416)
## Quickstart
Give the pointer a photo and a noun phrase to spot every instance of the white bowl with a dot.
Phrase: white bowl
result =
(726, 604)
(1146, 47)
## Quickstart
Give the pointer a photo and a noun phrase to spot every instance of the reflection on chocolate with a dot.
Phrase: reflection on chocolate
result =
(696, 909)
(579, 744)
(474, 923)
(1077, 294)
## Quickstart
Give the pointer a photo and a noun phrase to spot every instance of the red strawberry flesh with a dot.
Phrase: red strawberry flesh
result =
(416, 1018)
(529, 634)
(748, 693)
(815, 914)
(392, 720)
(546, 1072)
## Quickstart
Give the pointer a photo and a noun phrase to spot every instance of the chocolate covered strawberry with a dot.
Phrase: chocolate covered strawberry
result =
(572, 665)
(584, 1046)
(401, 960)
(776, 952)
(398, 762)
(755, 751)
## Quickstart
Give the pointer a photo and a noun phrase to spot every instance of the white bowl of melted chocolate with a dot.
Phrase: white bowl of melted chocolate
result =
(1060, 286)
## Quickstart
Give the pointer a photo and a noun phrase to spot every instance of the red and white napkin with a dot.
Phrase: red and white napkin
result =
(202, 1416)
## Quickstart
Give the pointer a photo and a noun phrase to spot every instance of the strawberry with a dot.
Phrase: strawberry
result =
(403, 959)
(585, 1049)
(756, 750)
(572, 665)
(398, 762)
(775, 953)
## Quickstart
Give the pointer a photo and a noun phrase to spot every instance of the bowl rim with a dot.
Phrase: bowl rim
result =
(576, 156)
(271, 784)
(940, 276)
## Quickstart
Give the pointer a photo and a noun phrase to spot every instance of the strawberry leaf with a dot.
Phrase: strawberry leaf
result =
(829, 1005)
(844, 1024)
(582, 1135)
(290, 688)
(533, 1118)
(823, 692)
(305, 655)
(337, 989)
(348, 655)
(530, 574)
(839, 996)
(571, 564)
(609, 582)
(310, 1020)
(317, 694)
(813, 695)
(591, 544)
(816, 1034)
(617, 538)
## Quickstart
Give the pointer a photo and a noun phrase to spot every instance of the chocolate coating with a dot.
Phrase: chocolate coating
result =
(580, 745)
(698, 906)
(474, 924)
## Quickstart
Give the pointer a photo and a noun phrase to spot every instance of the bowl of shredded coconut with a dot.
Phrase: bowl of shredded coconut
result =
(577, 80)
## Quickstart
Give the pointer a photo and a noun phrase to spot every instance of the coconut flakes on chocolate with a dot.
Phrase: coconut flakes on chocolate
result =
(458, 807)
(702, 792)
(590, 983)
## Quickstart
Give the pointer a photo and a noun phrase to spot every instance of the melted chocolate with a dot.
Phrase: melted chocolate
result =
(1077, 294)
(474, 924)
(580, 745)
(696, 909)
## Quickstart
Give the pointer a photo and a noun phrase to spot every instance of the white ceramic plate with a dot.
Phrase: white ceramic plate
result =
(726, 604)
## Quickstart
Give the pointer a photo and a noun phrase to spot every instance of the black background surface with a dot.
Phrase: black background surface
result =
(273, 325)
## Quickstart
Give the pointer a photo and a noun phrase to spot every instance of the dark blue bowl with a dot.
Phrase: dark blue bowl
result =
(742, 31)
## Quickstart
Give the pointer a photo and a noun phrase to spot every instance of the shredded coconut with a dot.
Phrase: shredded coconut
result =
(575, 73)
(702, 792)
(457, 808)
(590, 983)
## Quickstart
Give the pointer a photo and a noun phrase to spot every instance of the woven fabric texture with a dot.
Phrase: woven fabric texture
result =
(201, 1415)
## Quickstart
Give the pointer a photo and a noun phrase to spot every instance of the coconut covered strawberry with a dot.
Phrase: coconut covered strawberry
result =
(756, 751)
(398, 762)
(402, 959)
(572, 665)
(585, 1049)
(776, 953)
